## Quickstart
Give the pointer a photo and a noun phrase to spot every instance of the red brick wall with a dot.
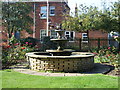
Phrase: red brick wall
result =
(95, 34)
(98, 34)
(41, 23)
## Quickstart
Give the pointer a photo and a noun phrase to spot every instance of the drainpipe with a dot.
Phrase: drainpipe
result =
(34, 22)
(47, 18)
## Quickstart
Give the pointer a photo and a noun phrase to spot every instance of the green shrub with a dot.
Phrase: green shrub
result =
(34, 41)
(14, 52)
(48, 44)
(108, 55)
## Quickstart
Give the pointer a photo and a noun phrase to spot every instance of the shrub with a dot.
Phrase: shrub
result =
(48, 44)
(108, 55)
(14, 52)
(34, 41)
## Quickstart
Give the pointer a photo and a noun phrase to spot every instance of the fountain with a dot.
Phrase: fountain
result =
(61, 60)
(61, 41)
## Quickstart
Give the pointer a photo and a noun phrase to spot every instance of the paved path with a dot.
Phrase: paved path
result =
(98, 68)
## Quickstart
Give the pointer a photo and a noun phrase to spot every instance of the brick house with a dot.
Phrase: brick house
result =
(57, 8)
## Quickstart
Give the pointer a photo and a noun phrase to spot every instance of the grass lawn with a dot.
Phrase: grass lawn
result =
(12, 79)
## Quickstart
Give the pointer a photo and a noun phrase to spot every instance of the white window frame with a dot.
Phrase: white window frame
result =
(84, 36)
(52, 8)
(41, 36)
(53, 35)
(70, 35)
(42, 10)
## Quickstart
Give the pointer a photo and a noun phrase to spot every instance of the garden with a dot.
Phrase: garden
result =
(14, 54)
(14, 50)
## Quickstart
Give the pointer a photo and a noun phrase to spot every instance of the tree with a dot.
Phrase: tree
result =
(87, 19)
(115, 12)
(92, 18)
(16, 17)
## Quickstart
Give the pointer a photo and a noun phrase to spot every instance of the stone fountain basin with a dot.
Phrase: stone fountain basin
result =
(77, 62)
(47, 55)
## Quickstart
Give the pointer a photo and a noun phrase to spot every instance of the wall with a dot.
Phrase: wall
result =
(42, 23)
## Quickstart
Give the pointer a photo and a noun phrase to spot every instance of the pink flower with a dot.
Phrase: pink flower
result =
(109, 47)
(12, 33)
(26, 42)
(16, 44)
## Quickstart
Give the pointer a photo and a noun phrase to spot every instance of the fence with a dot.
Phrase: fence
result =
(89, 44)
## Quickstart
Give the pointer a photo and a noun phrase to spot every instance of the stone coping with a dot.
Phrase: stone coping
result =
(65, 50)
(74, 55)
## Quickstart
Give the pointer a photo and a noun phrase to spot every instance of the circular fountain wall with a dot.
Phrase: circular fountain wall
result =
(76, 62)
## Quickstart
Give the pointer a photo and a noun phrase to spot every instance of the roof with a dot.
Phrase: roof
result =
(13, 1)
(35, 1)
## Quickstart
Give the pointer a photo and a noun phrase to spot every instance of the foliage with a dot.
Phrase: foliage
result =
(16, 17)
(14, 52)
(48, 44)
(108, 55)
(34, 41)
(92, 18)
(115, 12)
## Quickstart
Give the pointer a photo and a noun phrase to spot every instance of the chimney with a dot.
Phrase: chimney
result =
(76, 11)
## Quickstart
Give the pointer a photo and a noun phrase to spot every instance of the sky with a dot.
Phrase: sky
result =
(72, 3)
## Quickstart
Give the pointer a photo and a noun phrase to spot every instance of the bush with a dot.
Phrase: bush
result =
(34, 41)
(48, 44)
(108, 55)
(14, 51)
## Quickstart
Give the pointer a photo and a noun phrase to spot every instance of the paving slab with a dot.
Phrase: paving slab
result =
(98, 68)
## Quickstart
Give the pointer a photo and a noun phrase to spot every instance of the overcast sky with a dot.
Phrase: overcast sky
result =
(98, 3)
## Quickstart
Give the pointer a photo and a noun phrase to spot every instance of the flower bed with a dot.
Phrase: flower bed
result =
(108, 55)
(14, 52)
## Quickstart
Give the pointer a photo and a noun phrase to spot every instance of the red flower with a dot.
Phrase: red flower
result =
(23, 48)
(109, 47)
(30, 43)
(8, 46)
(95, 53)
(36, 47)
(108, 55)
(0, 44)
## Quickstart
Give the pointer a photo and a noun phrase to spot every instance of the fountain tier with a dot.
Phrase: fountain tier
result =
(61, 41)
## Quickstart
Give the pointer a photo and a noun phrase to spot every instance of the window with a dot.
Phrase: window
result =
(17, 34)
(53, 34)
(70, 35)
(43, 12)
(84, 37)
(42, 34)
(52, 10)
